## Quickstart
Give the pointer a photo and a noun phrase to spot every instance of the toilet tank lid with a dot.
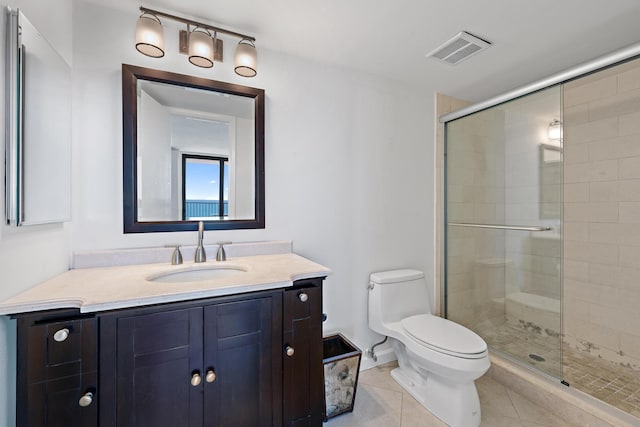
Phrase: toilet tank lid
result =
(394, 276)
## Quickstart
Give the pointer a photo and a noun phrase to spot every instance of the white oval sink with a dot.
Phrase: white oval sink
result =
(196, 274)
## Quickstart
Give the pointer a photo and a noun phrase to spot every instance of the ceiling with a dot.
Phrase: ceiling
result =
(531, 39)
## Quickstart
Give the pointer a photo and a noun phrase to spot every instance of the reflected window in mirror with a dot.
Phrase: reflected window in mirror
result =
(205, 187)
(177, 129)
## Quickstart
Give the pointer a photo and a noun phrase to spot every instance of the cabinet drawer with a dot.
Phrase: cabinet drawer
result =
(61, 349)
(303, 304)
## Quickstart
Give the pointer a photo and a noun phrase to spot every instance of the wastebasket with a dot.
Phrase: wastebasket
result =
(341, 360)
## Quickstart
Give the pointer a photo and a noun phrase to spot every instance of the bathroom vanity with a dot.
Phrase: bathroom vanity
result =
(217, 354)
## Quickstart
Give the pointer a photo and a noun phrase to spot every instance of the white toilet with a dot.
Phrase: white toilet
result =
(438, 359)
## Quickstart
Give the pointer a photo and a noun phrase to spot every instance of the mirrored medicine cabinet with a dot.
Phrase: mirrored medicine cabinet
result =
(38, 127)
(193, 150)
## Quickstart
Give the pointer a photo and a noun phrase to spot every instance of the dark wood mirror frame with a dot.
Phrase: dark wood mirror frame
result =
(130, 76)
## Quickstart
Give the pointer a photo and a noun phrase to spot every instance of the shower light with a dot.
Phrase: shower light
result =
(555, 130)
(203, 49)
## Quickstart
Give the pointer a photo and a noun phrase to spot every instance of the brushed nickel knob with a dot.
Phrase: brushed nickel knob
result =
(289, 350)
(303, 296)
(211, 376)
(61, 335)
(86, 399)
(196, 379)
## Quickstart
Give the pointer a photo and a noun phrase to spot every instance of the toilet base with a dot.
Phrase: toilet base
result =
(457, 404)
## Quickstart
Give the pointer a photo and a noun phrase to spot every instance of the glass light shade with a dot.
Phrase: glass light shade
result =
(246, 59)
(201, 48)
(555, 130)
(150, 36)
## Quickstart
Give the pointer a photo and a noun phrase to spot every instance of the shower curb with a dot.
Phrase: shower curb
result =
(569, 404)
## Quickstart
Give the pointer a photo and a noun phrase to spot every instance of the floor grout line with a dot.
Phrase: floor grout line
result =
(513, 404)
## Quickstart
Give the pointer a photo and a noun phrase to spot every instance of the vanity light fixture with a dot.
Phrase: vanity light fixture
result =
(555, 130)
(246, 58)
(202, 49)
(150, 35)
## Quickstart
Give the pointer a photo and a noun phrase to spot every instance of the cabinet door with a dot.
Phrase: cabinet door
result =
(57, 366)
(242, 351)
(55, 403)
(158, 355)
(303, 378)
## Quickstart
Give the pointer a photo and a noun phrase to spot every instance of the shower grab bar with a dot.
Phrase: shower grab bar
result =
(502, 227)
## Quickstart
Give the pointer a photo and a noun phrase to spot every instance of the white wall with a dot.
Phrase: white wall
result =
(349, 161)
(241, 183)
(29, 255)
(349, 169)
(154, 152)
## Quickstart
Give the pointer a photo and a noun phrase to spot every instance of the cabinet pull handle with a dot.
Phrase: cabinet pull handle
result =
(86, 399)
(196, 379)
(302, 296)
(211, 376)
(61, 335)
(289, 350)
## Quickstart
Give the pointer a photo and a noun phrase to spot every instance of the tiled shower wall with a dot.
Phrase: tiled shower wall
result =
(444, 104)
(475, 194)
(602, 214)
(494, 178)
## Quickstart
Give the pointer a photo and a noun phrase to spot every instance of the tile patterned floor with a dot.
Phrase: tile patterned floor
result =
(381, 402)
(521, 343)
(615, 384)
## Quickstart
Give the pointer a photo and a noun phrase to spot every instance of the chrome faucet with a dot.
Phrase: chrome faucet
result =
(201, 255)
(221, 255)
(176, 258)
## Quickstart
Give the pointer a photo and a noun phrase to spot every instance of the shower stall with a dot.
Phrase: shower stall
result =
(542, 230)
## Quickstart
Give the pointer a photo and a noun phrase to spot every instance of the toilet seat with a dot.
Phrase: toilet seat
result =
(445, 336)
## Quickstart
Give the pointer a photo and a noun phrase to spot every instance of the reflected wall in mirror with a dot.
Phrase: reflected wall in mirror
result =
(550, 163)
(193, 150)
(38, 122)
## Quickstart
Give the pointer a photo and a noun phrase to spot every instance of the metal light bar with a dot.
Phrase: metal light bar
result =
(587, 67)
(197, 24)
(501, 227)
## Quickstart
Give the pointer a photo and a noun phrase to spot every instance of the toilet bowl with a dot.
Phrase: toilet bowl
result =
(438, 360)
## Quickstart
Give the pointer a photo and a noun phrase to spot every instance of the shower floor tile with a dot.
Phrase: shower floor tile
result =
(612, 383)
(541, 351)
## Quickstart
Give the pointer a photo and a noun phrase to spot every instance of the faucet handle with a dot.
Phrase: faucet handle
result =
(221, 255)
(176, 258)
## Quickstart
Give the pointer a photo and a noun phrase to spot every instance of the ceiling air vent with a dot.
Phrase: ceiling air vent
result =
(462, 46)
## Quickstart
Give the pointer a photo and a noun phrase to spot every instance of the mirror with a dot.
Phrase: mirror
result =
(193, 150)
(550, 164)
(38, 127)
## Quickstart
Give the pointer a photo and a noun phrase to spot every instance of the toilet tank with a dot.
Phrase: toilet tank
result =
(396, 294)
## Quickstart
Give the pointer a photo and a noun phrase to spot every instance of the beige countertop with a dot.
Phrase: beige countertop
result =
(108, 288)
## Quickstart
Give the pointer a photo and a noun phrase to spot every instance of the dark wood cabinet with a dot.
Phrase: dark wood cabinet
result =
(303, 376)
(155, 354)
(57, 370)
(205, 363)
(242, 342)
(245, 360)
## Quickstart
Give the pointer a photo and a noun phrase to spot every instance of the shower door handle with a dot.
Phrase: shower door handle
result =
(502, 227)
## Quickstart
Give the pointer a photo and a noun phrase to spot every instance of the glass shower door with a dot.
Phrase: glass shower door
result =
(503, 195)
